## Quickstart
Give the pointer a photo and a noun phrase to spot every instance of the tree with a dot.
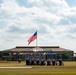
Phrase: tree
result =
(65, 55)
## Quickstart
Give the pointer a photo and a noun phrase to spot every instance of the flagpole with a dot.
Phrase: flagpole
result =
(36, 46)
(36, 42)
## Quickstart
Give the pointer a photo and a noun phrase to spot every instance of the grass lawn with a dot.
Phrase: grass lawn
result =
(69, 68)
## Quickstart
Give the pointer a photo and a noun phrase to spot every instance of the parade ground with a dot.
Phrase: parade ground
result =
(15, 68)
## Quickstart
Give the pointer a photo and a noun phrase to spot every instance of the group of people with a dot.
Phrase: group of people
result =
(37, 61)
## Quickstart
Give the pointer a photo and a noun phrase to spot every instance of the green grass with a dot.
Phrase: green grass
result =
(69, 68)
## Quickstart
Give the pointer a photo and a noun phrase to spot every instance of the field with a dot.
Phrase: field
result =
(69, 68)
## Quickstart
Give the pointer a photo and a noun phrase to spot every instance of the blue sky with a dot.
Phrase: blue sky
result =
(55, 21)
(71, 3)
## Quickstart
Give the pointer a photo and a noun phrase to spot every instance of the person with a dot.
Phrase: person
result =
(42, 61)
(60, 62)
(27, 61)
(53, 62)
(37, 61)
(32, 61)
(19, 60)
(48, 62)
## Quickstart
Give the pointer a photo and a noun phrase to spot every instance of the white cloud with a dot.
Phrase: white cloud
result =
(52, 18)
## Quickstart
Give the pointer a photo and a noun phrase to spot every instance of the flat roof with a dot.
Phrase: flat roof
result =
(39, 48)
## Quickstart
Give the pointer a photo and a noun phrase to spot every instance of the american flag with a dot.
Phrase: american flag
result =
(32, 38)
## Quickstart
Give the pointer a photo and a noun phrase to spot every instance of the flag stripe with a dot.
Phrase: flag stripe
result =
(32, 38)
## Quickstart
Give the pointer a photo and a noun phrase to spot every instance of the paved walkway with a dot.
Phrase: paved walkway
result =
(17, 67)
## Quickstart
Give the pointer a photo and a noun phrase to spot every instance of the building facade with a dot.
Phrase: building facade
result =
(41, 52)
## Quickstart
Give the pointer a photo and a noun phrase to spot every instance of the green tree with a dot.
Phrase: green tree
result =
(65, 55)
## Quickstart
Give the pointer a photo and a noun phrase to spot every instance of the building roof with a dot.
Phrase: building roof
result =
(39, 48)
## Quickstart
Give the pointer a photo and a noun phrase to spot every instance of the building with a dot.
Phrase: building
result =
(74, 56)
(41, 52)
